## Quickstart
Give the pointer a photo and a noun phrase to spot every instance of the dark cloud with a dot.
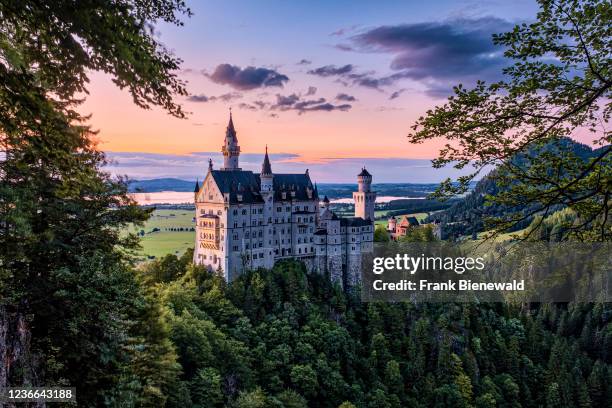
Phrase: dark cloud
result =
(345, 97)
(438, 54)
(342, 31)
(247, 106)
(348, 75)
(289, 100)
(396, 94)
(311, 90)
(198, 98)
(344, 47)
(247, 78)
(332, 70)
(304, 62)
(326, 107)
(227, 97)
(296, 103)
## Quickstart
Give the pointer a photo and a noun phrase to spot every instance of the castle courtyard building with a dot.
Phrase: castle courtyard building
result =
(246, 220)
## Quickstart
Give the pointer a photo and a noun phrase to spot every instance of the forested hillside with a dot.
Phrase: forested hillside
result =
(471, 214)
(283, 338)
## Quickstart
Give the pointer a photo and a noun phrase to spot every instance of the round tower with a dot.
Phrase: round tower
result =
(364, 197)
(391, 224)
(266, 177)
(230, 148)
(364, 181)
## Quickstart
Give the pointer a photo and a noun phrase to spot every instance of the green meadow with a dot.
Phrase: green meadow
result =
(167, 232)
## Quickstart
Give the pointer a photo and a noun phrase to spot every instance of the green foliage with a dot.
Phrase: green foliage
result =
(71, 311)
(381, 234)
(419, 234)
(557, 86)
(286, 338)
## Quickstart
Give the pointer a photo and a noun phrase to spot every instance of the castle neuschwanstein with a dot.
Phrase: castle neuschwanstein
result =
(246, 220)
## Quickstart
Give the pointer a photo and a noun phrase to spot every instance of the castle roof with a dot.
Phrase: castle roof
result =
(247, 184)
(197, 187)
(354, 222)
(326, 200)
(364, 173)
(409, 221)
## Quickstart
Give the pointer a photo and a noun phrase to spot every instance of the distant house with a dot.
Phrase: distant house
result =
(400, 229)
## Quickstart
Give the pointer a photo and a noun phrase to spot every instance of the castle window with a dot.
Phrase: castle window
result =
(279, 209)
(219, 212)
(244, 212)
(235, 212)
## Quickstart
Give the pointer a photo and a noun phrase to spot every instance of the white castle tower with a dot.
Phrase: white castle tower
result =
(230, 148)
(364, 197)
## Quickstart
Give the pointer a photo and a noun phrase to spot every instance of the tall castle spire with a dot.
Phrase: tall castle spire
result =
(230, 148)
(266, 167)
(266, 177)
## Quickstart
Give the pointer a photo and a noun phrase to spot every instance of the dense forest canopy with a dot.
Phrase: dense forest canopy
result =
(284, 338)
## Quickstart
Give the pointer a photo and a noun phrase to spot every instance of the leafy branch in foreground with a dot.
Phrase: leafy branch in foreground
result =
(71, 311)
(557, 87)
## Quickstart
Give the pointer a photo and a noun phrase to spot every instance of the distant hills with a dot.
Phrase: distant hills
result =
(161, 184)
(411, 190)
(466, 216)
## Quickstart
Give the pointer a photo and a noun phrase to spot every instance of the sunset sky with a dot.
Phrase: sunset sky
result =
(328, 85)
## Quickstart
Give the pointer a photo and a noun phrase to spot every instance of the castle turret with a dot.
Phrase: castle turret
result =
(325, 203)
(196, 190)
(266, 177)
(364, 196)
(230, 148)
(391, 224)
